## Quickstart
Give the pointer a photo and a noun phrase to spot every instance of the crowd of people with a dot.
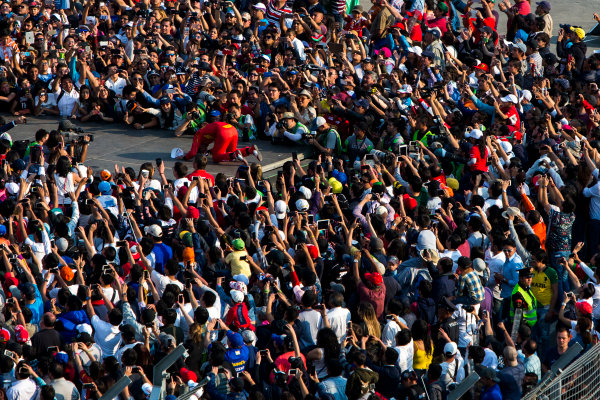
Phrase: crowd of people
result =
(447, 223)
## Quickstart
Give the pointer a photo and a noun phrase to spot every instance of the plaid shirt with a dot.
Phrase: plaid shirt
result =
(470, 285)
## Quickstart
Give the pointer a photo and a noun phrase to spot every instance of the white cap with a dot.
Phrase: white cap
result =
(474, 134)
(280, 209)
(511, 98)
(147, 389)
(405, 89)
(6, 136)
(90, 20)
(302, 205)
(12, 188)
(153, 230)
(416, 49)
(87, 328)
(260, 6)
(450, 349)
(526, 94)
(177, 152)
(380, 210)
(506, 146)
(236, 296)
(319, 122)
(306, 192)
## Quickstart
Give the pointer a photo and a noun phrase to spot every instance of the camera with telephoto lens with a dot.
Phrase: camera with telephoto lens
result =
(195, 115)
(309, 135)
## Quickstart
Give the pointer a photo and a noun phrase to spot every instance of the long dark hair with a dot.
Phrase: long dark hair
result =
(328, 341)
(420, 331)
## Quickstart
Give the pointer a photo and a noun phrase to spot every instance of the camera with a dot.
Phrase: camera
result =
(566, 27)
(195, 115)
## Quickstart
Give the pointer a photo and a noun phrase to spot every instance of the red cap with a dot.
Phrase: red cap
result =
(409, 203)
(188, 375)
(193, 212)
(21, 334)
(374, 278)
(4, 335)
(313, 251)
(584, 307)
(484, 67)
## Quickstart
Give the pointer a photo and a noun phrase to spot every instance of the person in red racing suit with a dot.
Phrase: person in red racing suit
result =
(225, 137)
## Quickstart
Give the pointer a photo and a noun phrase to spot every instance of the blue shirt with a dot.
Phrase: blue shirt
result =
(492, 393)
(37, 307)
(162, 254)
(238, 357)
(511, 274)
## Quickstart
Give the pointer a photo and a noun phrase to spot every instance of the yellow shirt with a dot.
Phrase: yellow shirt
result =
(541, 285)
(421, 359)
(238, 266)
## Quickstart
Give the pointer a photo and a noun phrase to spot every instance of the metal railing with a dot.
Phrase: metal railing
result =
(578, 380)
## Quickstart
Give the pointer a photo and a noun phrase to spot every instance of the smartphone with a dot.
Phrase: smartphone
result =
(311, 219)
(180, 298)
(293, 371)
(145, 173)
(369, 157)
(146, 274)
(263, 352)
(88, 386)
(106, 270)
(165, 188)
(122, 243)
(23, 371)
(412, 146)
(29, 37)
(159, 162)
(103, 44)
(8, 353)
(389, 316)
(53, 349)
(294, 155)
(403, 150)
(323, 224)
(279, 174)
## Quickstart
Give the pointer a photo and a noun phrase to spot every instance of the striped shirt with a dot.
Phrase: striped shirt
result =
(274, 13)
(11, 48)
(469, 285)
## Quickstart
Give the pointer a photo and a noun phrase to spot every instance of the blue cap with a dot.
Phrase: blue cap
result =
(215, 113)
(165, 100)
(235, 339)
(2, 230)
(104, 187)
(19, 165)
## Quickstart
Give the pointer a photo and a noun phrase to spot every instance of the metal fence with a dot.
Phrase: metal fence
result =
(578, 381)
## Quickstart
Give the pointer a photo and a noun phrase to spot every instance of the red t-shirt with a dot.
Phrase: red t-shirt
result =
(513, 121)
(375, 297)
(480, 164)
(202, 173)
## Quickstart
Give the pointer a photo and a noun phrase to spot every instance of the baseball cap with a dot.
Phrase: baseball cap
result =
(238, 244)
(280, 209)
(584, 307)
(544, 5)
(474, 134)
(519, 46)
(67, 273)
(302, 205)
(260, 6)
(288, 115)
(317, 123)
(578, 31)
(450, 349)
(153, 230)
(104, 188)
(511, 98)
(374, 278)
(105, 175)
(235, 339)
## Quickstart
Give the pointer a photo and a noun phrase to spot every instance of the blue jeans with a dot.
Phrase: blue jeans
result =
(541, 330)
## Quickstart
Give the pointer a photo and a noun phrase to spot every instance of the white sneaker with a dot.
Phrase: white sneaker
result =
(238, 156)
(256, 152)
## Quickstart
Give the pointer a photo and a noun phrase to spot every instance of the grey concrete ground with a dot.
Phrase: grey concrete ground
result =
(128, 147)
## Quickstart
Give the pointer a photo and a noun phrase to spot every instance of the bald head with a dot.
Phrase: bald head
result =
(48, 320)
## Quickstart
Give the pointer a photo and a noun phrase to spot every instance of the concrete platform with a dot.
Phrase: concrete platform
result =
(115, 144)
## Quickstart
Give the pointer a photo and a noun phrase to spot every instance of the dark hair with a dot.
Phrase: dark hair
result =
(115, 317)
(420, 331)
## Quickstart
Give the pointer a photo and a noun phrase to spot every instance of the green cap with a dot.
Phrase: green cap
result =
(238, 244)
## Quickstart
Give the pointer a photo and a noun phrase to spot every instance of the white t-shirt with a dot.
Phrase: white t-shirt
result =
(107, 336)
(161, 281)
(63, 186)
(311, 321)
(22, 390)
(338, 318)
(405, 356)
(390, 330)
